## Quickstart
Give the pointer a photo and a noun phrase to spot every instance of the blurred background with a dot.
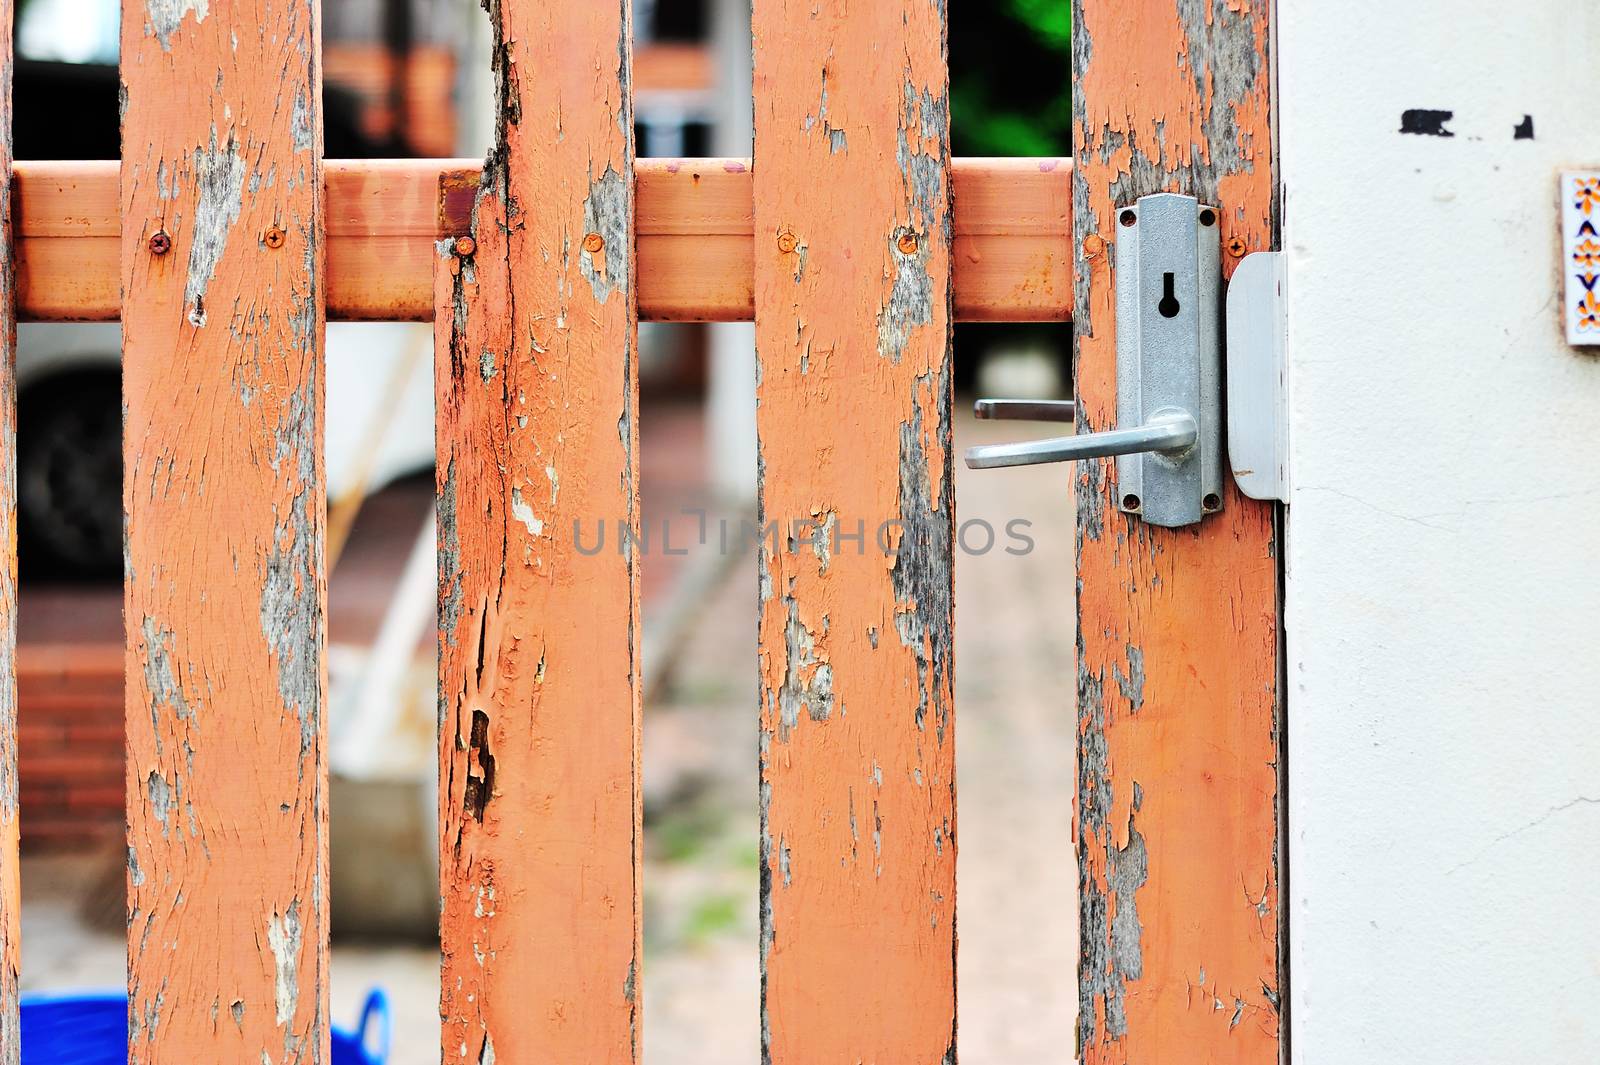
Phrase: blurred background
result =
(411, 78)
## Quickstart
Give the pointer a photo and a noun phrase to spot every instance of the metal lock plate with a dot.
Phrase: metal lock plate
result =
(1258, 376)
(1169, 344)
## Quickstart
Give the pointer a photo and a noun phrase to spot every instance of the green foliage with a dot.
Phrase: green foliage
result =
(1011, 78)
(1051, 20)
(711, 917)
(681, 830)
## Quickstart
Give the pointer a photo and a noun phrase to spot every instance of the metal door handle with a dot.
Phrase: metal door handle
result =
(1026, 410)
(1170, 431)
(1168, 442)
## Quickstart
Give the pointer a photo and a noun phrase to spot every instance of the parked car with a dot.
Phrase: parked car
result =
(69, 422)
(69, 431)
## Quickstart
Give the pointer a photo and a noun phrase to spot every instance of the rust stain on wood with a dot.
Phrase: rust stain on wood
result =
(538, 445)
(853, 310)
(225, 498)
(10, 869)
(1177, 790)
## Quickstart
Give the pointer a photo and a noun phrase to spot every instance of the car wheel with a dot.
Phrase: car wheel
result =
(69, 476)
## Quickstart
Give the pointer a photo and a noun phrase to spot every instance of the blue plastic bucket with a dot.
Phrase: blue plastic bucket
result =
(92, 1029)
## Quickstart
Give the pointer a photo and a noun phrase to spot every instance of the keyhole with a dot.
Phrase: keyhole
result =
(1169, 303)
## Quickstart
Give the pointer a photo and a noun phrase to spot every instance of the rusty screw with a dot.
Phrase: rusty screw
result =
(465, 246)
(160, 243)
(1236, 247)
(593, 243)
(786, 242)
(273, 238)
(907, 244)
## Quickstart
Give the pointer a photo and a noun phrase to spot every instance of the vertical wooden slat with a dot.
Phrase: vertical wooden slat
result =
(539, 630)
(10, 869)
(222, 296)
(1178, 629)
(853, 311)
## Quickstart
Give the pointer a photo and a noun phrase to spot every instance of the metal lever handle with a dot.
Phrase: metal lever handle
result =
(1170, 431)
(1026, 410)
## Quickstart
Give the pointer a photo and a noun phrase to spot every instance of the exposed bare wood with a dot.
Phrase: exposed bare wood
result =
(1178, 629)
(225, 592)
(1012, 258)
(853, 289)
(539, 702)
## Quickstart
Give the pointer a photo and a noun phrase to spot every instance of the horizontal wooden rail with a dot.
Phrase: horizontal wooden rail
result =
(695, 238)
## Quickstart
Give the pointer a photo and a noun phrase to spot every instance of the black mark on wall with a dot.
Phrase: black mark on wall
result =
(1524, 130)
(1426, 123)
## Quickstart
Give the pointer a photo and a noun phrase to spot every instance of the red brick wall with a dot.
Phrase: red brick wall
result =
(69, 743)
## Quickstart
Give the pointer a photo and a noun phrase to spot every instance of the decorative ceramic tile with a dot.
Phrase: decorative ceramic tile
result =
(1580, 255)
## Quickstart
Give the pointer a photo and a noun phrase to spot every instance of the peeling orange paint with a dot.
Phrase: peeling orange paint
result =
(1178, 629)
(694, 244)
(853, 337)
(539, 711)
(10, 869)
(223, 487)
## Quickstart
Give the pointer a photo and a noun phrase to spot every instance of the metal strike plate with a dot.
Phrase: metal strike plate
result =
(1258, 377)
(1169, 344)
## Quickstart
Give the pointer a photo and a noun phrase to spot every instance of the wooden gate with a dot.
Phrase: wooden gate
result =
(225, 240)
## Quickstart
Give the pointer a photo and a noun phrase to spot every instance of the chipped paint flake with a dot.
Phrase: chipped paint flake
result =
(219, 175)
(607, 211)
(165, 16)
(521, 511)
(283, 938)
(808, 680)
(302, 130)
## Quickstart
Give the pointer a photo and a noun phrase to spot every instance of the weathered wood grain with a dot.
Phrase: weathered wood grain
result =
(1178, 629)
(539, 631)
(10, 825)
(695, 244)
(853, 288)
(221, 253)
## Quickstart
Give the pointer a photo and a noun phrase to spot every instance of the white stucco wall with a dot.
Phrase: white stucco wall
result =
(1443, 545)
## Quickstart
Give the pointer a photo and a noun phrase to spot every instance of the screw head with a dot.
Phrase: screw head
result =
(273, 238)
(160, 243)
(786, 242)
(593, 242)
(907, 244)
(1236, 246)
(465, 246)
